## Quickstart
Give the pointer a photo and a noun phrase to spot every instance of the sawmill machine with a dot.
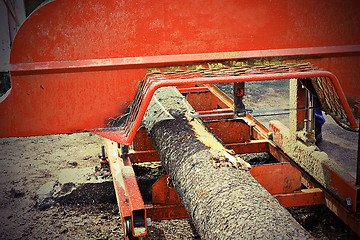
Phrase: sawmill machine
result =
(92, 65)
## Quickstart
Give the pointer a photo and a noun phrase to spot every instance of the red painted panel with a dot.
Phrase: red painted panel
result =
(66, 30)
(163, 193)
(56, 103)
(277, 178)
(160, 212)
(92, 29)
(230, 131)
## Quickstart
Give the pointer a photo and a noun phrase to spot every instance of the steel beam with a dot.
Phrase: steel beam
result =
(168, 60)
(131, 205)
(305, 197)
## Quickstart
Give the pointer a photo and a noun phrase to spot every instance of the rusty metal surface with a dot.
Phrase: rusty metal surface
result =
(124, 208)
(225, 131)
(203, 100)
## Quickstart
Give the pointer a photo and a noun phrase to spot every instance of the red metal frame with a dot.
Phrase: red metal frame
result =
(284, 180)
(131, 205)
(118, 135)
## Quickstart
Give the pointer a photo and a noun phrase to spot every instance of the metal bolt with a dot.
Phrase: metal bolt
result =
(103, 153)
(348, 202)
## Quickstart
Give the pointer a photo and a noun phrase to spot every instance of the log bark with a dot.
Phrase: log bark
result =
(224, 203)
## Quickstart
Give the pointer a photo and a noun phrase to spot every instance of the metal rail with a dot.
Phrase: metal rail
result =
(173, 60)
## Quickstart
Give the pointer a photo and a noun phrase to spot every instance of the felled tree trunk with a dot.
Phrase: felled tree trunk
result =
(224, 202)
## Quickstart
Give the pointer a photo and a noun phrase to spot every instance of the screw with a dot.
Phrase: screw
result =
(348, 202)
(270, 136)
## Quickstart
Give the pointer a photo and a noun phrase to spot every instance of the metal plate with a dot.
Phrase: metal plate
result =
(70, 60)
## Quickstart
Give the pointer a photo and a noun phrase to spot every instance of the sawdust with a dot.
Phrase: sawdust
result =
(30, 162)
(217, 149)
(27, 163)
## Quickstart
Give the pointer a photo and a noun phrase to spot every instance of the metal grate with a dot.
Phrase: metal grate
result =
(330, 100)
(322, 81)
(152, 78)
(227, 71)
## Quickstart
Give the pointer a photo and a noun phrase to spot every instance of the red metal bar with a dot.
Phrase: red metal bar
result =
(138, 156)
(278, 154)
(252, 146)
(161, 212)
(192, 89)
(113, 157)
(349, 218)
(344, 188)
(166, 60)
(127, 191)
(304, 197)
